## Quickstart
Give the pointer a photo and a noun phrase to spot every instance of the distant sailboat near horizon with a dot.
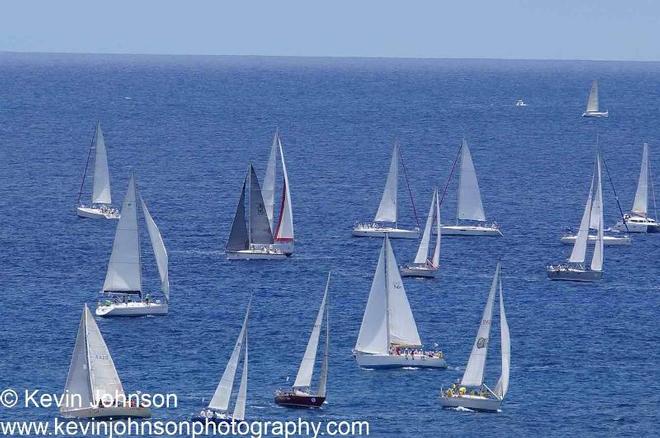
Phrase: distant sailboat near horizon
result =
(387, 218)
(123, 280)
(638, 219)
(218, 408)
(593, 104)
(575, 269)
(469, 206)
(282, 229)
(481, 397)
(388, 335)
(93, 388)
(101, 205)
(422, 265)
(301, 395)
(251, 236)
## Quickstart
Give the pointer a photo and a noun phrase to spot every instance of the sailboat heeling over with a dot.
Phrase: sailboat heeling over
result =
(474, 371)
(258, 226)
(592, 102)
(597, 258)
(640, 205)
(438, 234)
(238, 236)
(387, 210)
(423, 250)
(503, 383)
(101, 184)
(284, 231)
(241, 398)
(579, 251)
(160, 253)
(469, 206)
(268, 189)
(124, 270)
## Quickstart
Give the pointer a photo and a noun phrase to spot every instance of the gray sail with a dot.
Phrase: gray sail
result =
(258, 225)
(238, 236)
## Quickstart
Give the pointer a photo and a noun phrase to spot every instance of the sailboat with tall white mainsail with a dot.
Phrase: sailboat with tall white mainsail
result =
(93, 388)
(638, 219)
(593, 109)
(469, 205)
(575, 269)
(101, 206)
(282, 228)
(218, 408)
(471, 392)
(387, 216)
(251, 236)
(301, 395)
(423, 266)
(122, 289)
(388, 335)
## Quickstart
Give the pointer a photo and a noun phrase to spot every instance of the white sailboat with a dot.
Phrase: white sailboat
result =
(251, 236)
(101, 206)
(282, 228)
(575, 269)
(301, 395)
(93, 388)
(423, 266)
(386, 220)
(592, 103)
(122, 289)
(471, 392)
(388, 335)
(218, 408)
(638, 219)
(470, 207)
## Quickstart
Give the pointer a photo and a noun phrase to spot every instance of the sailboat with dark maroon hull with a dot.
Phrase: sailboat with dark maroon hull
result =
(301, 395)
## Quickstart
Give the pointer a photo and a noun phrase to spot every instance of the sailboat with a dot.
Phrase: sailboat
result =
(592, 103)
(638, 219)
(301, 395)
(575, 269)
(250, 236)
(123, 280)
(469, 203)
(471, 392)
(101, 206)
(386, 220)
(93, 388)
(282, 229)
(388, 335)
(218, 408)
(423, 266)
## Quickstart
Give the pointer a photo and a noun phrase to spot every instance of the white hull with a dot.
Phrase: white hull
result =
(256, 254)
(595, 114)
(424, 271)
(472, 402)
(97, 212)
(135, 308)
(563, 273)
(399, 361)
(638, 225)
(109, 412)
(471, 230)
(607, 240)
(370, 230)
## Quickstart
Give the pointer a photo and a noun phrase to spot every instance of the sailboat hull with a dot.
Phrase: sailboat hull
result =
(595, 114)
(97, 212)
(555, 273)
(137, 308)
(374, 230)
(382, 361)
(421, 271)
(292, 400)
(285, 246)
(607, 240)
(114, 412)
(474, 403)
(471, 230)
(256, 254)
(639, 226)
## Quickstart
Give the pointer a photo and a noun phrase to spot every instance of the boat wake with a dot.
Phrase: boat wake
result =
(410, 368)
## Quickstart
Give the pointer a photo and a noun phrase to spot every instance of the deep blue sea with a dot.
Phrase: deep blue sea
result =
(584, 356)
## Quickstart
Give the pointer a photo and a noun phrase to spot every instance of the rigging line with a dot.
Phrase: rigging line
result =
(405, 175)
(609, 177)
(89, 156)
(451, 173)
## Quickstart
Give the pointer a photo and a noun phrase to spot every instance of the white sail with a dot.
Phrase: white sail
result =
(401, 322)
(592, 103)
(220, 400)
(640, 206)
(438, 234)
(469, 196)
(580, 246)
(268, 189)
(503, 383)
(474, 371)
(423, 250)
(160, 252)
(102, 373)
(241, 398)
(285, 225)
(306, 370)
(373, 337)
(78, 379)
(323, 380)
(124, 269)
(101, 185)
(387, 210)
(597, 258)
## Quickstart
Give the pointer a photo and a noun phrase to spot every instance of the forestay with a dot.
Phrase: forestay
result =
(469, 196)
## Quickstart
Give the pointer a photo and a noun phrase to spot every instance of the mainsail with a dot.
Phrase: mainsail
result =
(597, 211)
(241, 398)
(160, 252)
(101, 185)
(580, 247)
(503, 383)
(258, 225)
(284, 231)
(469, 196)
(640, 206)
(592, 103)
(387, 210)
(423, 250)
(323, 380)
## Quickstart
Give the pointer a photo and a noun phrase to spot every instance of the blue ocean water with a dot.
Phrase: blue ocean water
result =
(584, 357)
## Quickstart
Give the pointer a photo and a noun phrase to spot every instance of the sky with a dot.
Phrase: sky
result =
(502, 29)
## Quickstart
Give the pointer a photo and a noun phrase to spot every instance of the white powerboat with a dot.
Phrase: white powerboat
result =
(423, 266)
(101, 205)
(388, 335)
(122, 289)
(386, 220)
(592, 103)
(471, 392)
